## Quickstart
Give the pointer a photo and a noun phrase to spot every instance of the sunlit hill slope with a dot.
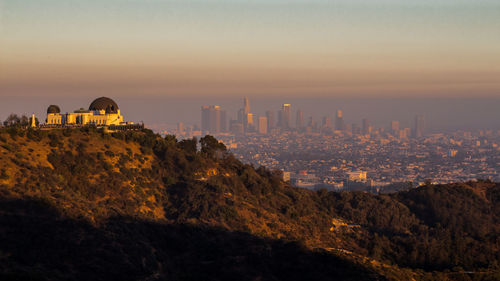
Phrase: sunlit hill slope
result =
(82, 204)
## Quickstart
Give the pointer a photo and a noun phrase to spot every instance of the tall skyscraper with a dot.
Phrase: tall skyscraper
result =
(310, 122)
(284, 117)
(339, 121)
(241, 116)
(214, 119)
(249, 125)
(311, 125)
(223, 121)
(180, 128)
(299, 121)
(246, 105)
(205, 118)
(263, 125)
(326, 122)
(210, 119)
(236, 127)
(271, 122)
(404, 133)
(365, 127)
(355, 129)
(419, 127)
(245, 117)
(395, 127)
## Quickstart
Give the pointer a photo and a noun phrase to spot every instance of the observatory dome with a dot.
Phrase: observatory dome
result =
(104, 103)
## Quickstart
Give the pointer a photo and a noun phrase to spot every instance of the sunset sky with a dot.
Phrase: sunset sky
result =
(331, 48)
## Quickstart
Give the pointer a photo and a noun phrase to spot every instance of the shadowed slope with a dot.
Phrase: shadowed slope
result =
(38, 244)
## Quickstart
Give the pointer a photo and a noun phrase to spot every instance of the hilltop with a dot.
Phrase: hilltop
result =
(84, 204)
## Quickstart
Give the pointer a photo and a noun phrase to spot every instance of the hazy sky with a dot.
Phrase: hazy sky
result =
(300, 48)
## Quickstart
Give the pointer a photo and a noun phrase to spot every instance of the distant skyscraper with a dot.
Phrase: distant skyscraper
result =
(223, 121)
(404, 133)
(299, 122)
(241, 116)
(326, 122)
(210, 119)
(246, 105)
(284, 120)
(419, 128)
(263, 125)
(366, 127)
(205, 118)
(245, 117)
(236, 127)
(249, 125)
(215, 119)
(339, 121)
(355, 129)
(180, 128)
(311, 125)
(271, 122)
(395, 127)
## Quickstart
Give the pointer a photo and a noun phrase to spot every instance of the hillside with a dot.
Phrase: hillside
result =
(135, 206)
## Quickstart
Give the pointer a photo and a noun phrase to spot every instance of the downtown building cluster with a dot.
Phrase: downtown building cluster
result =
(214, 120)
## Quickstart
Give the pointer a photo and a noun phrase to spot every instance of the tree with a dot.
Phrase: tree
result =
(210, 145)
(12, 120)
(189, 145)
(170, 139)
(24, 121)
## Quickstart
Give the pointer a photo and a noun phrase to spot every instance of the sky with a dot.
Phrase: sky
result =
(232, 48)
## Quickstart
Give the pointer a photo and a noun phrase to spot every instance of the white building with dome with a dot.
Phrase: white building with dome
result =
(102, 111)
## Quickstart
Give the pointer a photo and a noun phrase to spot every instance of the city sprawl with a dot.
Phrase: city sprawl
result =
(335, 155)
(346, 161)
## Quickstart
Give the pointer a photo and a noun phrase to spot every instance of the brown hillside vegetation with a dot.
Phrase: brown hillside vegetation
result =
(84, 204)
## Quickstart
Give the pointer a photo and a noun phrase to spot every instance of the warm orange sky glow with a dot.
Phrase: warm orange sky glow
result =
(320, 48)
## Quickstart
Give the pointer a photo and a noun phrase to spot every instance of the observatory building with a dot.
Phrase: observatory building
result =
(102, 112)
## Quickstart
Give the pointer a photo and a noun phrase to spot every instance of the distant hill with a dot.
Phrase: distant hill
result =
(82, 204)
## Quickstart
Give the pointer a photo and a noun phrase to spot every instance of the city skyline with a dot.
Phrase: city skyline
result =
(164, 113)
(214, 120)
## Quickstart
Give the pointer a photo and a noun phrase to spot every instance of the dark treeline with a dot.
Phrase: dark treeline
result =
(14, 120)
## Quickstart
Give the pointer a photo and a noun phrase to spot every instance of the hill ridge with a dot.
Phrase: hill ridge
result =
(93, 177)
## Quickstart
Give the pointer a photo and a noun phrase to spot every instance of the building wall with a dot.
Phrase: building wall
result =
(54, 118)
(85, 118)
(263, 125)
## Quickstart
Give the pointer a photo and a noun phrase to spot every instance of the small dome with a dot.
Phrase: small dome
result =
(53, 109)
(104, 103)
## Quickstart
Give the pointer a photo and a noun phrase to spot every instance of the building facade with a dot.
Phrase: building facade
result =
(102, 112)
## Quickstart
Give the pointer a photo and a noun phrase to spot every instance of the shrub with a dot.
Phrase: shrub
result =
(54, 140)
(3, 174)
(7, 147)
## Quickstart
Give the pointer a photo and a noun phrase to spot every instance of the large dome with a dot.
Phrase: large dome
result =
(104, 103)
(53, 109)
